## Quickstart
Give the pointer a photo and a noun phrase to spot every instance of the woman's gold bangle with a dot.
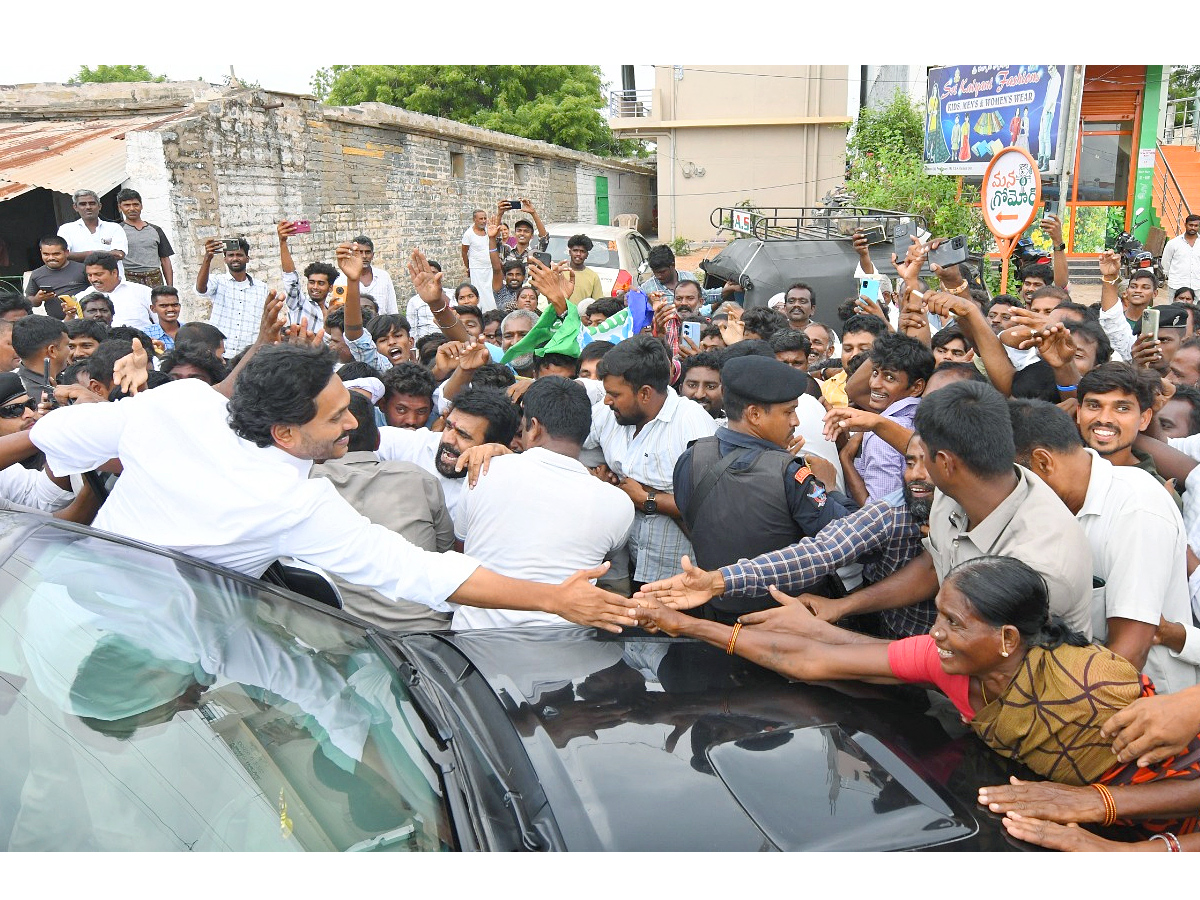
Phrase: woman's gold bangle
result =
(1106, 281)
(1110, 805)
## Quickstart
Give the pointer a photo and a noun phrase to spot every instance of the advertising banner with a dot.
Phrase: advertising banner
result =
(974, 112)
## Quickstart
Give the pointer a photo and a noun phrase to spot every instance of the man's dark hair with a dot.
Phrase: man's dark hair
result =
(595, 350)
(510, 264)
(1190, 396)
(706, 359)
(710, 331)
(468, 309)
(100, 364)
(365, 435)
(1144, 275)
(764, 322)
(751, 347)
(408, 378)
(427, 347)
(966, 371)
(102, 259)
(493, 375)
(127, 333)
(127, 194)
(433, 264)
(581, 240)
(561, 405)
(70, 375)
(1005, 300)
(901, 353)
(1095, 331)
(860, 323)
(97, 297)
(278, 386)
(639, 360)
(1051, 290)
(1036, 423)
(971, 421)
(53, 240)
(201, 333)
(163, 290)
(1122, 377)
(493, 405)
(243, 245)
(34, 333)
(607, 306)
(358, 369)
(1193, 217)
(1078, 309)
(364, 240)
(335, 319)
(661, 257)
(787, 339)
(382, 325)
(1038, 270)
(93, 328)
(492, 315)
(555, 359)
(321, 268)
(950, 333)
(196, 355)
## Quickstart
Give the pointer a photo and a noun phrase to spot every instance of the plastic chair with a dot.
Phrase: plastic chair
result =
(626, 220)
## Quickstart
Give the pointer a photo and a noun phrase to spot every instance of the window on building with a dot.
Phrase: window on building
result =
(458, 165)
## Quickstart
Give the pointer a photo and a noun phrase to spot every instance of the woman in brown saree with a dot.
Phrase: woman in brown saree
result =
(1030, 688)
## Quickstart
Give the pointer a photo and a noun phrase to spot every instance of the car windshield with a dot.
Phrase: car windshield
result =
(602, 256)
(149, 704)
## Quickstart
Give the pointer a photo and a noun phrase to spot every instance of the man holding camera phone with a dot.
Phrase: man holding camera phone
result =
(522, 231)
(237, 298)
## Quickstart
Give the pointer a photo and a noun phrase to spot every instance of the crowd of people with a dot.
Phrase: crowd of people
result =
(994, 496)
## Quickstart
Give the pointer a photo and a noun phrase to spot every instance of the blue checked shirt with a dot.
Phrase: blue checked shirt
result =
(883, 536)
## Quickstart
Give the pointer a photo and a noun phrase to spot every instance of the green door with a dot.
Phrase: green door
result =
(602, 200)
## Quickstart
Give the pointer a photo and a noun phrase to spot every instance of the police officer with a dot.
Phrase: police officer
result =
(740, 492)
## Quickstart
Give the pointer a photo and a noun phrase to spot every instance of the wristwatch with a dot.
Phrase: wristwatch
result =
(650, 505)
(1061, 247)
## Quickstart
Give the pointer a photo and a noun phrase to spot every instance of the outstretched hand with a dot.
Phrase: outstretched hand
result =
(690, 588)
(583, 603)
(130, 373)
(426, 280)
(349, 261)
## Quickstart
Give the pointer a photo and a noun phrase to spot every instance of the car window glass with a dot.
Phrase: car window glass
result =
(600, 257)
(149, 704)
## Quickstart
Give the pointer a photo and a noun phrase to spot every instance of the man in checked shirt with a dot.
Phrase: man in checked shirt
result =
(883, 536)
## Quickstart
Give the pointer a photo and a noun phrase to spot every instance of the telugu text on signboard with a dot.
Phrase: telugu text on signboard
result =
(974, 112)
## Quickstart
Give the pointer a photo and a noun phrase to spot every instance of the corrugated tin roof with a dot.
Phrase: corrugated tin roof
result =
(69, 154)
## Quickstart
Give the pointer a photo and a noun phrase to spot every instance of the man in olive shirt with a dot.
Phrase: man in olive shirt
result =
(985, 504)
(586, 281)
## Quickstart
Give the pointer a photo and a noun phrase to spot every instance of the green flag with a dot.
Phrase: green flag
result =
(550, 335)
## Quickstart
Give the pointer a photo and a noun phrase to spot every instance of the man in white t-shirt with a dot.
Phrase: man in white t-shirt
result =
(480, 416)
(89, 234)
(544, 488)
(476, 247)
(375, 281)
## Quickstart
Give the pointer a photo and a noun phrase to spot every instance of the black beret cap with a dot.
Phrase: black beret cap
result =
(763, 380)
(1172, 316)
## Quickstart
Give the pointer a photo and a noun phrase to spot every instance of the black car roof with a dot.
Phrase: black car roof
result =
(645, 743)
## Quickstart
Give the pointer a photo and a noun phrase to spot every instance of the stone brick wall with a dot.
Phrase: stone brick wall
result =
(249, 159)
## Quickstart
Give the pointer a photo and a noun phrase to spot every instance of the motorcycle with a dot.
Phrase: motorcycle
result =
(1135, 257)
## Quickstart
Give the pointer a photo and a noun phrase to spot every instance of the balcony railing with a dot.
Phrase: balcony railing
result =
(1180, 122)
(1172, 206)
(630, 104)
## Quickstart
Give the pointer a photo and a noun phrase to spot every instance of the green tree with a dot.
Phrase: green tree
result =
(885, 171)
(557, 104)
(1185, 82)
(116, 73)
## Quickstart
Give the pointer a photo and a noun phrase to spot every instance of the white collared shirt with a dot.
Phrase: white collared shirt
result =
(1181, 263)
(419, 445)
(381, 290)
(650, 456)
(131, 304)
(1139, 551)
(544, 491)
(190, 484)
(32, 488)
(109, 236)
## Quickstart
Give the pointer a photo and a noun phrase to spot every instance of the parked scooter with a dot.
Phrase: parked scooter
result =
(1135, 257)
